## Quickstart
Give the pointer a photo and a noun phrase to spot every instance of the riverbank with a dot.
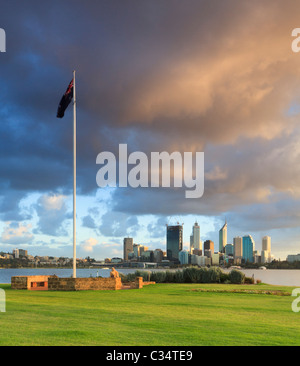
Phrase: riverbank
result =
(278, 277)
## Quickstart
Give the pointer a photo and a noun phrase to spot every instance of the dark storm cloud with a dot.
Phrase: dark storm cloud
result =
(212, 76)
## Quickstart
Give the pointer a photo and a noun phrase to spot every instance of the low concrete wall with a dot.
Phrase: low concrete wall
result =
(79, 284)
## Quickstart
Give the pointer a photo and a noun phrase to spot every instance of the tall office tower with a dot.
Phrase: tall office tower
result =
(191, 244)
(266, 246)
(238, 249)
(248, 248)
(229, 249)
(174, 242)
(208, 245)
(223, 238)
(265, 257)
(128, 247)
(195, 242)
(137, 250)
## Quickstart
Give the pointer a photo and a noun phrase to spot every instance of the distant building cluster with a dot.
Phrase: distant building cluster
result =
(23, 255)
(137, 253)
(240, 251)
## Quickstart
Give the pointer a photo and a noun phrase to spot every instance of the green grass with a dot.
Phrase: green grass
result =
(157, 315)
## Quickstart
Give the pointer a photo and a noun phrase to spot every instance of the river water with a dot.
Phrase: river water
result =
(282, 277)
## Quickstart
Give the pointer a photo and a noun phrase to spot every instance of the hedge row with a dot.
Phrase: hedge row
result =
(190, 275)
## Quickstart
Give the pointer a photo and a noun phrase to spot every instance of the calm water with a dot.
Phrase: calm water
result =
(283, 277)
(271, 276)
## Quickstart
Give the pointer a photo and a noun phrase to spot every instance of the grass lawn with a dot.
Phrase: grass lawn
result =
(157, 315)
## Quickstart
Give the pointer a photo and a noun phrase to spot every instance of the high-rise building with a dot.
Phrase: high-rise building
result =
(23, 253)
(138, 250)
(266, 243)
(229, 249)
(128, 247)
(265, 256)
(195, 242)
(174, 242)
(266, 246)
(197, 252)
(16, 253)
(248, 248)
(238, 249)
(158, 255)
(184, 257)
(223, 238)
(208, 245)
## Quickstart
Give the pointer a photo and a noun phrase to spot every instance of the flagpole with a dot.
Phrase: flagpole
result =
(74, 176)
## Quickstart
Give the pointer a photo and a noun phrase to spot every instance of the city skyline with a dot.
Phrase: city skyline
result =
(174, 242)
(208, 78)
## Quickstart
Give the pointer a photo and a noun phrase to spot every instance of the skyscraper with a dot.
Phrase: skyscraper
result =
(128, 247)
(266, 247)
(195, 242)
(238, 249)
(174, 242)
(229, 249)
(248, 248)
(208, 245)
(223, 238)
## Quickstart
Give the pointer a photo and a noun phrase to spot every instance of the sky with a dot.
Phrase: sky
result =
(217, 77)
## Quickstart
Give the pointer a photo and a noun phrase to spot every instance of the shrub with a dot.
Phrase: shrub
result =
(224, 277)
(191, 275)
(169, 277)
(132, 276)
(249, 280)
(158, 277)
(236, 276)
(214, 274)
(205, 278)
(178, 277)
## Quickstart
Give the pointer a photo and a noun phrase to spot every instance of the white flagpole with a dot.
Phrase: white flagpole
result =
(74, 176)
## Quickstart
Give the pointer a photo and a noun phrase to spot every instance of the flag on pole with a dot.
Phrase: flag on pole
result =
(63, 105)
(65, 101)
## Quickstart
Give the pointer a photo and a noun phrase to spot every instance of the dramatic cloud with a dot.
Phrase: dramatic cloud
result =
(212, 76)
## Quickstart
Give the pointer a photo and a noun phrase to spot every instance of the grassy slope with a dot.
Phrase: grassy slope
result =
(162, 315)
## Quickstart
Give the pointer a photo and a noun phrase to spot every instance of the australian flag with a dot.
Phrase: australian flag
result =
(65, 101)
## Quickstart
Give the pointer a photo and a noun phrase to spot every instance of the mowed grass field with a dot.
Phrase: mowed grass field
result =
(157, 315)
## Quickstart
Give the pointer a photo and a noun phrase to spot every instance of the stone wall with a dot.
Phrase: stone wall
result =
(30, 282)
(79, 284)
(54, 283)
